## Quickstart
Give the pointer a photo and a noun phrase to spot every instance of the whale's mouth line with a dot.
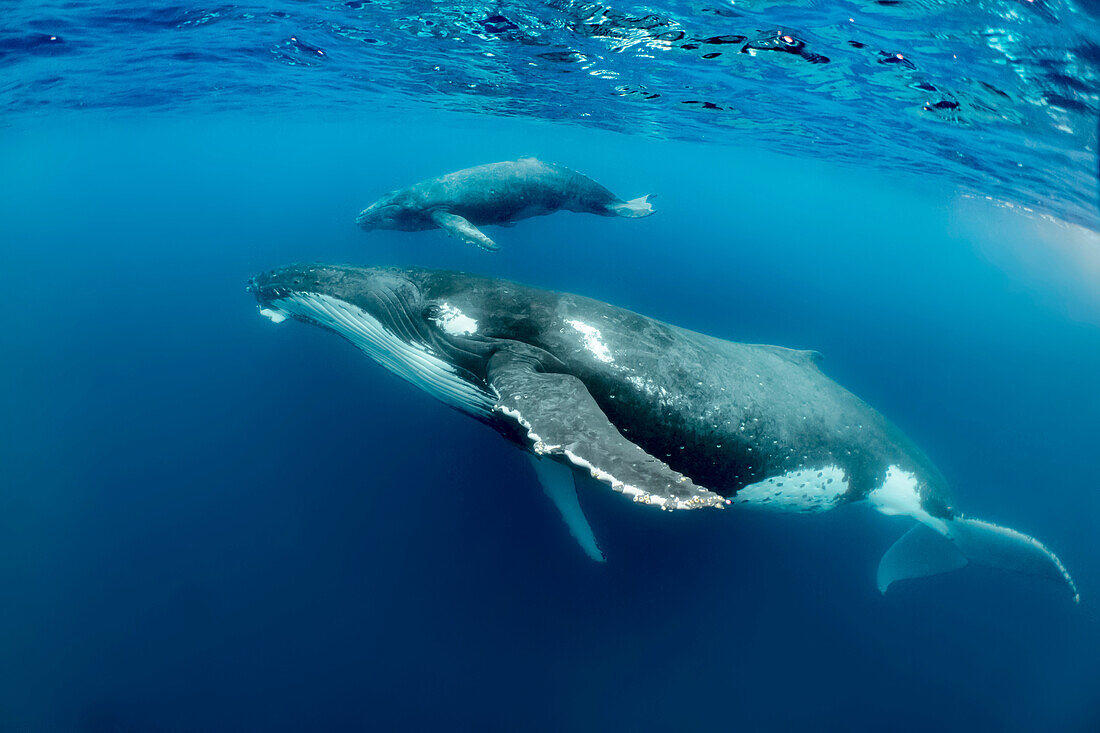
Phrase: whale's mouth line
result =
(266, 294)
(407, 357)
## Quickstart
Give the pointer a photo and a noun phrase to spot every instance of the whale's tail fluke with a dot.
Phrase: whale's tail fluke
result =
(634, 208)
(924, 551)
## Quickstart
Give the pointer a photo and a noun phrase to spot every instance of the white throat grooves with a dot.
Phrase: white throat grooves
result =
(411, 361)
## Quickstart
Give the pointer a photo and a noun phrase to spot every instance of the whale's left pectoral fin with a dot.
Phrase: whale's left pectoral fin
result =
(559, 417)
(557, 483)
(458, 227)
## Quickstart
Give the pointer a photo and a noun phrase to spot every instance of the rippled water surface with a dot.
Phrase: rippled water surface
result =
(999, 96)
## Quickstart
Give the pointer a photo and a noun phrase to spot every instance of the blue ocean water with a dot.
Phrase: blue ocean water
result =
(212, 522)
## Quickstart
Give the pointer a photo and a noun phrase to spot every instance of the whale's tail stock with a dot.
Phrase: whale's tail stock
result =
(634, 208)
(924, 551)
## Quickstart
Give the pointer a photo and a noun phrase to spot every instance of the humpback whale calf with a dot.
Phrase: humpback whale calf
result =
(669, 417)
(497, 193)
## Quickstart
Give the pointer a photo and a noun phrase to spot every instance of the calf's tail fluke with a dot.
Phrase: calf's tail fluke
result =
(634, 208)
(924, 551)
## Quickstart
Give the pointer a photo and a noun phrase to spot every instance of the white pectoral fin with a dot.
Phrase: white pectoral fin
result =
(924, 551)
(558, 484)
(460, 228)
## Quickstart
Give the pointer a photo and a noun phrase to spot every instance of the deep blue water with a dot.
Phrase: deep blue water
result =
(209, 522)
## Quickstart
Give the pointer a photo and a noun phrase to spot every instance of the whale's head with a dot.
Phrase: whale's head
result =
(398, 317)
(396, 210)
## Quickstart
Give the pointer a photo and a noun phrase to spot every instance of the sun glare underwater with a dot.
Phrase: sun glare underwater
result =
(543, 366)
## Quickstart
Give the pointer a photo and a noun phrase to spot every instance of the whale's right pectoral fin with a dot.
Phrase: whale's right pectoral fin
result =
(558, 416)
(557, 484)
(458, 227)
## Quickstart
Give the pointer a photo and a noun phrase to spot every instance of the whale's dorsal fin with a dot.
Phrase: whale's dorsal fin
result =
(557, 483)
(458, 227)
(805, 357)
(561, 419)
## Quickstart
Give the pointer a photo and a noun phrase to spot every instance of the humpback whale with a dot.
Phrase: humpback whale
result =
(497, 193)
(668, 417)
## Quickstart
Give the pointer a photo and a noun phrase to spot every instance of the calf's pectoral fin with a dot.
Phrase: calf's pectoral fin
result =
(558, 484)
(924, 551)
(458, 227)
(559, 417)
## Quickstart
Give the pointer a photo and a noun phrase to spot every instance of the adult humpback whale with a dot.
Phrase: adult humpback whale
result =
(669, 417)
(496, 193)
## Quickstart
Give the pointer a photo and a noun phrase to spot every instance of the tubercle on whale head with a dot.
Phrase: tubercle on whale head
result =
(369, 218)
(358, 286)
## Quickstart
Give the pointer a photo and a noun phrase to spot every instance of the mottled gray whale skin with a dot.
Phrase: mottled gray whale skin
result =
(497, 193)
(667, 416)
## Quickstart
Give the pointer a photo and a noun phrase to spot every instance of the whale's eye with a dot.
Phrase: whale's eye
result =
(432, 312)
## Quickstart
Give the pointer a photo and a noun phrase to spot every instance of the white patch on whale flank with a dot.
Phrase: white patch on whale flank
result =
(651, 389)
(804, 490)
(900, 494)
(592, 341)
(412, 361)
